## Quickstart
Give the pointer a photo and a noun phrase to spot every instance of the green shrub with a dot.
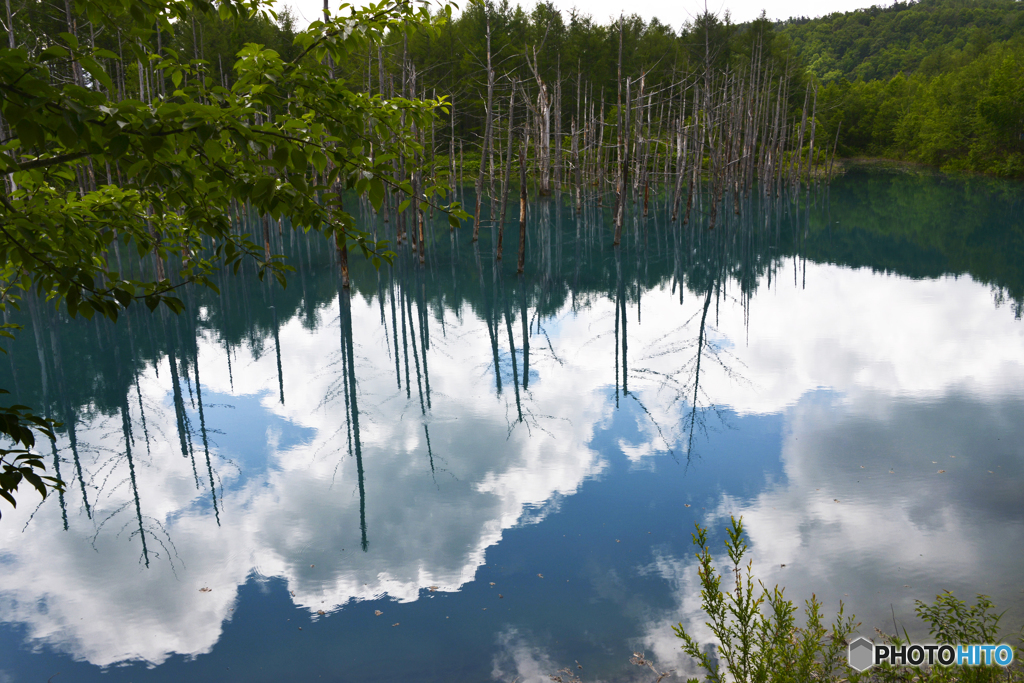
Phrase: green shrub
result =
(759, 640)
(756, 628)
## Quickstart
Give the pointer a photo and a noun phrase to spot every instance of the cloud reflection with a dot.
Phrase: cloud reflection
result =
(864, 516)
(901, 394)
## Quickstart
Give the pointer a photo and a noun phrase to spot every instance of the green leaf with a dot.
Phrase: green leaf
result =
(124, 298)
(281, 157)
(298, 160)
(319, 161)
(213, 149)
(70, 40)
(96, 71)
(68, 137)
(174, 304)
(376, 193)
(117, 146)
(263, 189)
(53, 52)
(30, 132)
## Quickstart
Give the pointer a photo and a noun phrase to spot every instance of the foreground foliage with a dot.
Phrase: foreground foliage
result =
(119, 191)
(758, 639)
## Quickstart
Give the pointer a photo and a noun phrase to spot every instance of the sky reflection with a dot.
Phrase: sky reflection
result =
(477, 440)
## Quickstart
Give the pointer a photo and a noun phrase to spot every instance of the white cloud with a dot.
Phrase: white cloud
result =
(892, 353)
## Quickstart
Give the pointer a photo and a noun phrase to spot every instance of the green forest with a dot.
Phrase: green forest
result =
(938, 82)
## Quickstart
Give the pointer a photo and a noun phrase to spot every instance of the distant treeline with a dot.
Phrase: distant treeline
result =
(937, 81)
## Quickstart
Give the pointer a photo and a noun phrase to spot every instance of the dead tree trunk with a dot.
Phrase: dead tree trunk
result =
(558, 130)
(487, 136)
(810, 152)
(542, 149)
(620, 204)
(507, 177)
(522, 205)
(800, 141)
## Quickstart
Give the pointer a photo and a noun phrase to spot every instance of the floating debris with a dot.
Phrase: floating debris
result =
(540, 576)
(205, 590)
(377, 612)
(321, 612)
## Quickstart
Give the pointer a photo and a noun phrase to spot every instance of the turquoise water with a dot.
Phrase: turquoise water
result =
(508, 468)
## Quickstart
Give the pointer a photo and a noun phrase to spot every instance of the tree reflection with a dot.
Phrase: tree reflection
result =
(85, 371)
(348, 370)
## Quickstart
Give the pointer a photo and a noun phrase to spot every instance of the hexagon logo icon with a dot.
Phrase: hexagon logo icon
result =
(861, 654)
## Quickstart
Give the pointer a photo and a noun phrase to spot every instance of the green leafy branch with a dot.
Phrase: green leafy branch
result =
(756, 629)
(19, 463)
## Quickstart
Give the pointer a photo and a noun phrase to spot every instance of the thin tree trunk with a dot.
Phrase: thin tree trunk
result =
(380, 84)
(542, 149)
(800, 140)
(10, 25)
(834, 145)
(487, 136)
(558, 129)
(810, 154)
(506, 180)
(522, 205)
(620, 204)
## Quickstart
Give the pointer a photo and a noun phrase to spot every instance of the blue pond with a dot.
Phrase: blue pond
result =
(455, 473)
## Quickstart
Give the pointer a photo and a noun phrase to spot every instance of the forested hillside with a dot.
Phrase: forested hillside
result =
(930, 37)
(938, 81)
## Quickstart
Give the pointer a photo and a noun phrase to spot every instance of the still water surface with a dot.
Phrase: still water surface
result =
(454, 473)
